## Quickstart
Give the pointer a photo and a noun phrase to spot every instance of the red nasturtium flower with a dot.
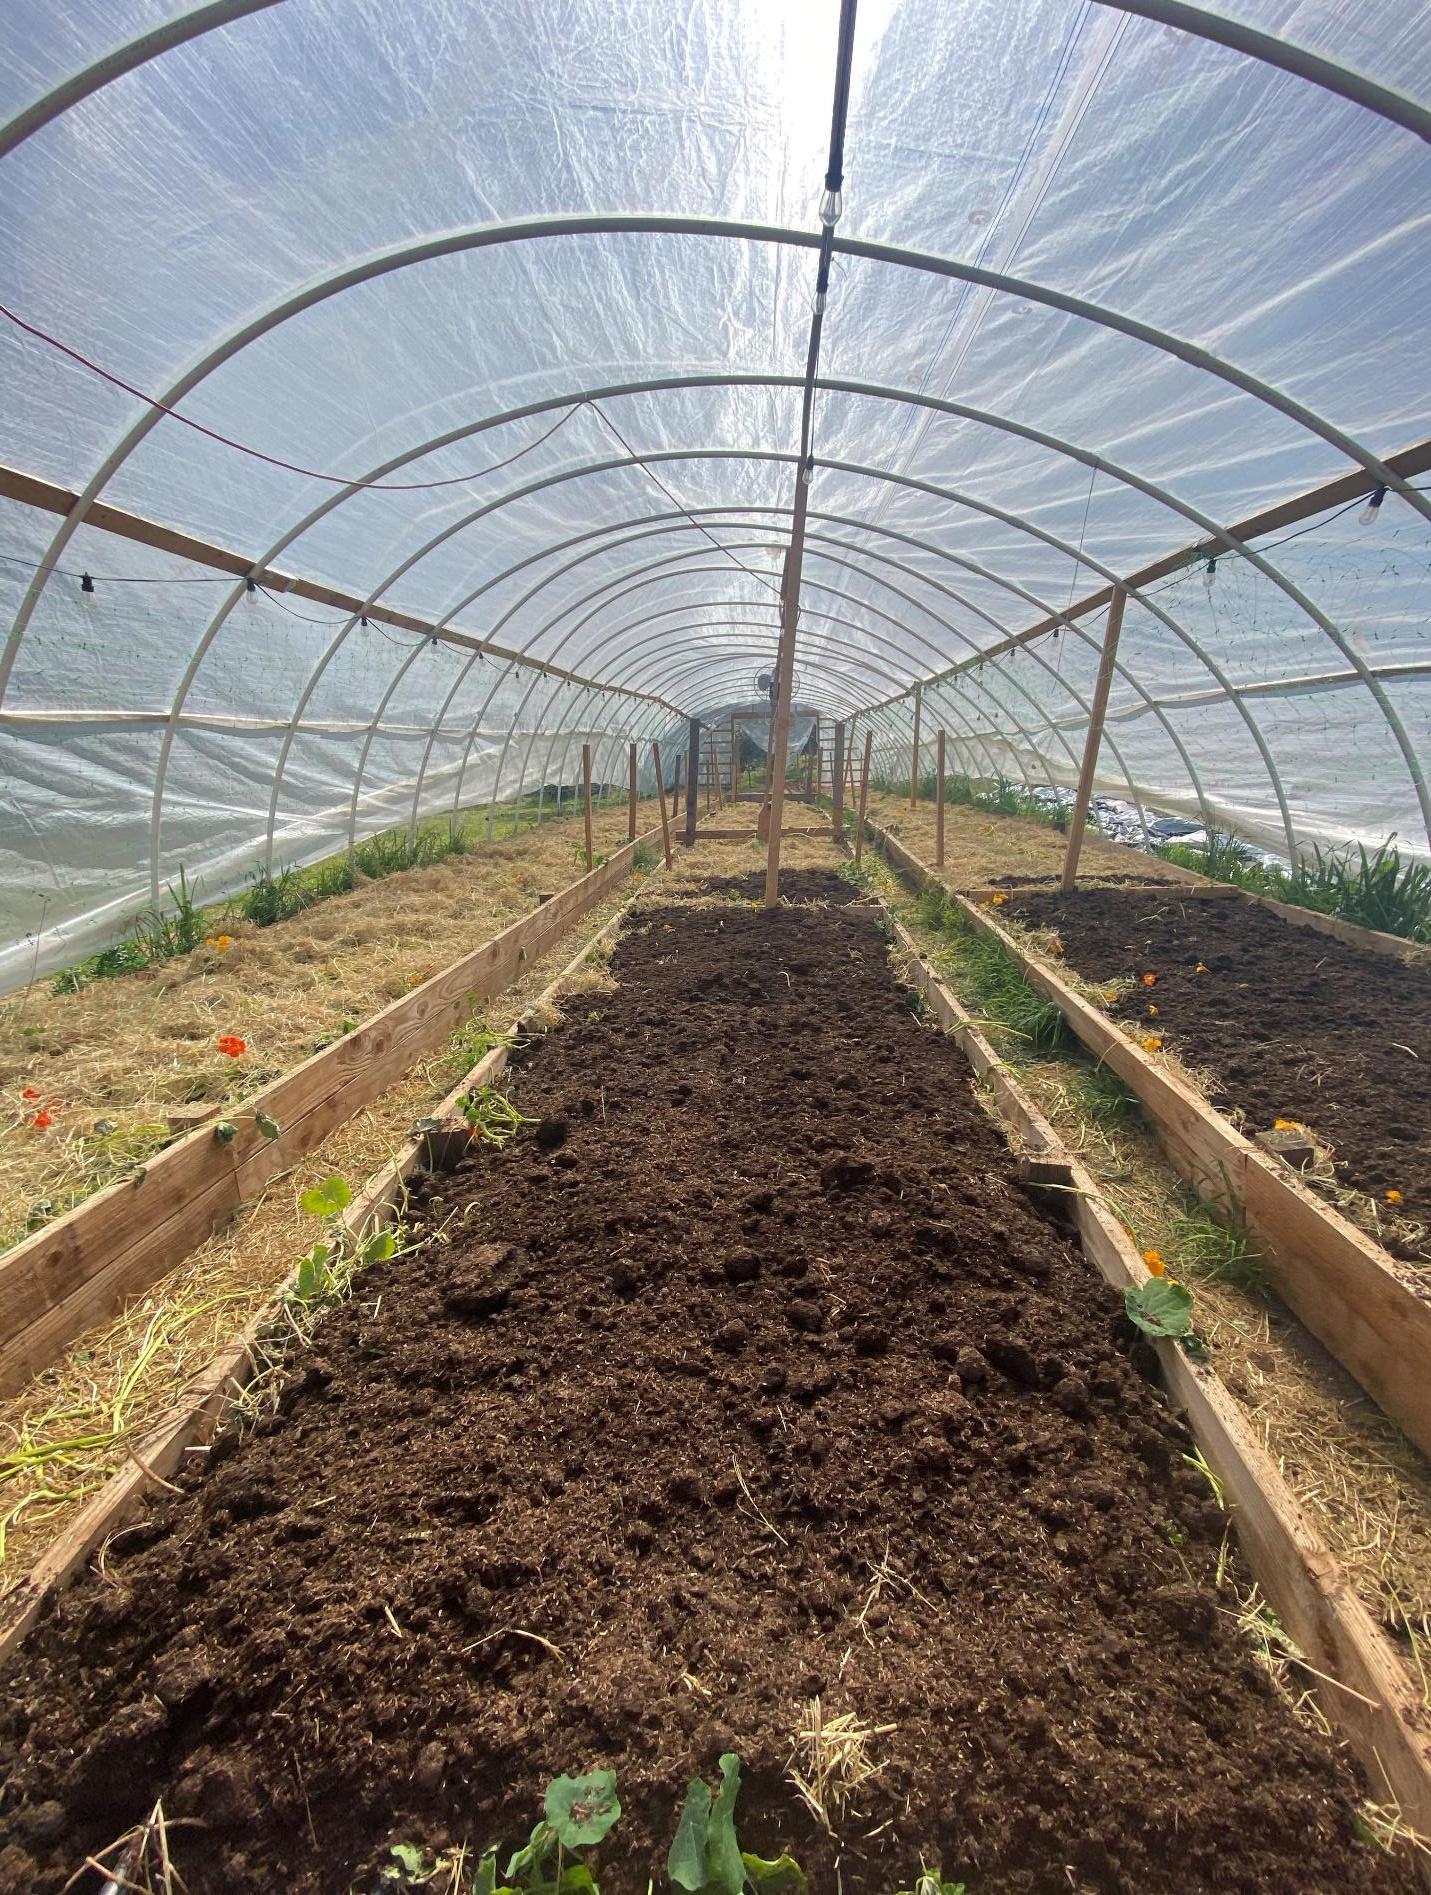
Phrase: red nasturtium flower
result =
(29, 1093)
(42, 1122)
(231, 1044)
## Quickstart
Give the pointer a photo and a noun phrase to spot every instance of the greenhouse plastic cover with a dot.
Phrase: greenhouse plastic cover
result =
(323, 229)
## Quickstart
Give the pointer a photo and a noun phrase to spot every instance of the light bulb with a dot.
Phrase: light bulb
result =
(831, 205)
(807, 472)
(86, 591)
(819, 302)
(250, 591)
(1367, 516)
(1209, 573)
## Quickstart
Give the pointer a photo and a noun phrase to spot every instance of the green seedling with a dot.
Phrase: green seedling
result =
(578, 1813)
(931, 1882)
(1161, 1307)
(706, 1857)
(321, 1275)
(492, 1115)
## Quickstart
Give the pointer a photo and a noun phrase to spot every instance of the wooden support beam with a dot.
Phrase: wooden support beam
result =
(102, 517)
(693, 779)
(1096, 716)
(819, 763)
(734, 759)
(785, 684)
(837, 783)
(661, 793)
(864, 798)
(676, 787)
(586, 803)
(914, 750)
(939, 801)
(631, 798)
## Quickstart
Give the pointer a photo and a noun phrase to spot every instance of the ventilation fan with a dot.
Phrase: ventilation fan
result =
(765, 683)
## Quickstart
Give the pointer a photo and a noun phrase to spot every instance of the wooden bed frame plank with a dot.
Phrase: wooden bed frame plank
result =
(74, 1271)
(1305, 1585)
(1337, 1281)
(206, 1402)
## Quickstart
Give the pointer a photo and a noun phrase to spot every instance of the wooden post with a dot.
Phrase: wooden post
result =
(914, 752)
(631, 800)
(586, 803)
(939, 801)
(676, 788)
(837, 782)
(734, 759)
(819, 764)
(1095, 737)
(693, 780)
(661, 793)
(864, 798)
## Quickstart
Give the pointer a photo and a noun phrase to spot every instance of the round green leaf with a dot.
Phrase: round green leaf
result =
(327, 1199)
(582, 1809)
(1160, 1307)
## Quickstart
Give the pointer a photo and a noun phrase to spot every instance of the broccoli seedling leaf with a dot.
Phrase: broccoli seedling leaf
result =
(582, 1809)
(775, 1878)
(724, 1869)
(686, 1860)
(1160, 1307)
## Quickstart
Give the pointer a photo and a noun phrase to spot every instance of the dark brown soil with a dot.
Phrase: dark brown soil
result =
(747, 1374)
(1293, 1024)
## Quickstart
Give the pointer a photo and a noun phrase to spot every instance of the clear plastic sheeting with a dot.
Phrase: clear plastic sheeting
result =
(444, 270)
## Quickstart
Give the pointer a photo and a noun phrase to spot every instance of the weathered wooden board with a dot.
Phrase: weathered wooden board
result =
(1351, 1665)
(1346, 1289)
(207, 1400)
(83, 1265)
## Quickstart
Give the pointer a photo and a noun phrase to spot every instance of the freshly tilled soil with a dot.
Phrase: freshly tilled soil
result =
(1291, 1023)
(746, 1374)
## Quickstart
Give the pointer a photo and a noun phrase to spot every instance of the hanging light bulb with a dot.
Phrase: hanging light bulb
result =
(1209, 573)
(86, 591)
(831, 206)
(250, 589)
(1368, 514)
(807, 472)
(820, 302)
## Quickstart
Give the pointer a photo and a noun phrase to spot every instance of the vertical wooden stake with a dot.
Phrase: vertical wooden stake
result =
(837, 783)
(734, 760)
(631, 800)
(819, 764)
(864, 799)
(661, 792)
(914, 753)
(693, 781)
(1095, 737)
(586, 801)
(939, 801)
(676, 788)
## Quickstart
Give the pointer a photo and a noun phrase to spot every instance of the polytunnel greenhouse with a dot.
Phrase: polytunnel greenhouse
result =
(715, 912)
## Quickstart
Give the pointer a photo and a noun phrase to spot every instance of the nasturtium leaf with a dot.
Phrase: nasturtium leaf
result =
(377, 1246)
(686, 1861)
(539, 1845)
(486, 1883)
(582, 1809)
(724, 1869)
(313, 1273)
(328, 1198)
(784, 1876)
(225, 1131)
(267, 1124)
(409, 1857)
(1160, 1307)
(577, 1879)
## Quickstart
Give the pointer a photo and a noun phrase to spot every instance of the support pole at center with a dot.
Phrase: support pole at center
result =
(939, 801)
(914, 751)
(631, 800)
(586, 803)
(1095, 737)
(784, 683)
(693, 781)
(837, 783)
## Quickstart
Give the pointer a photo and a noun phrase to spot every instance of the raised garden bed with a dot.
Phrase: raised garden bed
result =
(664, 1432)
(1284, 1023)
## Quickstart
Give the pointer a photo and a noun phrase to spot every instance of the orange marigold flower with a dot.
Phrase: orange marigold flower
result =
(1393, 1197)
(231, 1044)
(1286, 1125)
(1152, 1043)
(1152, 1012)
(999, 900)
(42, 1122)
(1150, 980)
(29, 1093)
(1109, 999)
(1201, 968)
(1154, 1261)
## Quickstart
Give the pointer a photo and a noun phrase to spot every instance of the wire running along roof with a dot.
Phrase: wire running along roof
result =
(493, 320)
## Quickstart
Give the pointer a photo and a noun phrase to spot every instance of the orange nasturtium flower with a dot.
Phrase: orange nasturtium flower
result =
(1152, 1012)
(1152, 1043)
(1287, 1125)
(29, 1093)
(1393, 1197)
(231, 1044)
(1150, 980)
(1154, 1261)
(1201, 968)
(1109, 999)
(999, 900)
(221, 942)
(42, 1122)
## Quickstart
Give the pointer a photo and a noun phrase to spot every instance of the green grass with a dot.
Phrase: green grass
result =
(1374, 889)
(1212, 1252)
(993, 986)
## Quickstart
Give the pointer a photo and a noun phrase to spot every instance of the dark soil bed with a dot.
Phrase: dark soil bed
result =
(1291, 1023)
(748, 1374)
